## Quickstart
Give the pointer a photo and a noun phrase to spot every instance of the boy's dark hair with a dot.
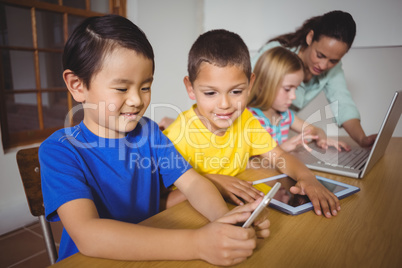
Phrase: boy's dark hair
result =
(221, 48)
(90, 42)
(335, 24)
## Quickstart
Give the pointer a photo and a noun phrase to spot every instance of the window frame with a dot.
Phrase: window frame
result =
(27, 137)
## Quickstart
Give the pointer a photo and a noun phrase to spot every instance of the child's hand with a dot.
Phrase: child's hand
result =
(300, 139)
(320, 197)
(339, 145)
(231, 188)
(223, 243)
(261, 223)
(324, 142)
(320, 137)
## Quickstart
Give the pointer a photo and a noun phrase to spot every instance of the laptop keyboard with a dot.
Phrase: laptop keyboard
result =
(352, 159)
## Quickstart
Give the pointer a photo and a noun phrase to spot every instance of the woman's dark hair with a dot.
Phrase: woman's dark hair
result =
(335, 24)
(221, 48)
(95, 37)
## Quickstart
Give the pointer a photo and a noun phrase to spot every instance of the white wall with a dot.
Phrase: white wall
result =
(373, 74)
(378, 22)
(171, 27)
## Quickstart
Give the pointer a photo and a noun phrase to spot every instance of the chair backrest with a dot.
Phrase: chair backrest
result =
(28, 165)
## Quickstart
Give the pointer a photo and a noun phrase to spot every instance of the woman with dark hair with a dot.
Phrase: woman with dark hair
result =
(321, 42)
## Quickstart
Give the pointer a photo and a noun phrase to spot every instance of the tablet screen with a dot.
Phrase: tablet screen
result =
(295, 204)
(285, 196)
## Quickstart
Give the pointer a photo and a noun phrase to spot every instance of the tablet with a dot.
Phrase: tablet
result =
(295, 204)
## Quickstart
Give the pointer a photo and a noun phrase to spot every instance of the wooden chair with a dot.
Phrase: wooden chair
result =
(28, 165)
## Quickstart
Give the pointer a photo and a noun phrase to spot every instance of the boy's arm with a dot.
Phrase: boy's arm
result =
(219, 243)
(232, 188)
(202, 194)
(307, 183)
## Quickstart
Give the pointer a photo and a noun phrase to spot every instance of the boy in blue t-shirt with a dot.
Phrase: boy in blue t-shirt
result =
(104, 175)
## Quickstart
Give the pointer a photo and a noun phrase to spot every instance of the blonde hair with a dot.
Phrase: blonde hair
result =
(270, 69)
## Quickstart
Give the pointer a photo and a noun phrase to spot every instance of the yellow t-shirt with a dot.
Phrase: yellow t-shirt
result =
(212, 154)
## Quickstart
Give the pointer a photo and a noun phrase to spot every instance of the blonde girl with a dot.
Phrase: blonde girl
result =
(278, 74)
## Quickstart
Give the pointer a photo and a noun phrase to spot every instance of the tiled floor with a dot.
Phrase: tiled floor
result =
(26, 248)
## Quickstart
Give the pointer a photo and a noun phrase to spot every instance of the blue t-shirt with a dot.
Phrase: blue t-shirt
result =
(121, 176)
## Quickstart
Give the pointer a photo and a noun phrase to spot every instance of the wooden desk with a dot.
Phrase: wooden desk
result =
(366, 233)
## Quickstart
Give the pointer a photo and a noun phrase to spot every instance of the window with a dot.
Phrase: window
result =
(34, 101)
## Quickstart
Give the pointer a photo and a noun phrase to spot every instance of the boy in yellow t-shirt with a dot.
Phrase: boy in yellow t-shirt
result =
(218, 135)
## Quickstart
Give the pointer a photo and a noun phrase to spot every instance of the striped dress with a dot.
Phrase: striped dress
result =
(279, 132)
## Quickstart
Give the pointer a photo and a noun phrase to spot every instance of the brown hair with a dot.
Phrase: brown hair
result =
(221, 48)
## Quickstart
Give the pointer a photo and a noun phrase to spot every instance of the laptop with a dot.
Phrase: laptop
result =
(358, 161)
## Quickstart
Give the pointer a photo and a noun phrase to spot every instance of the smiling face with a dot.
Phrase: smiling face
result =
(287, 91)
(119, 94)
(221, 94)
(322, 55)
